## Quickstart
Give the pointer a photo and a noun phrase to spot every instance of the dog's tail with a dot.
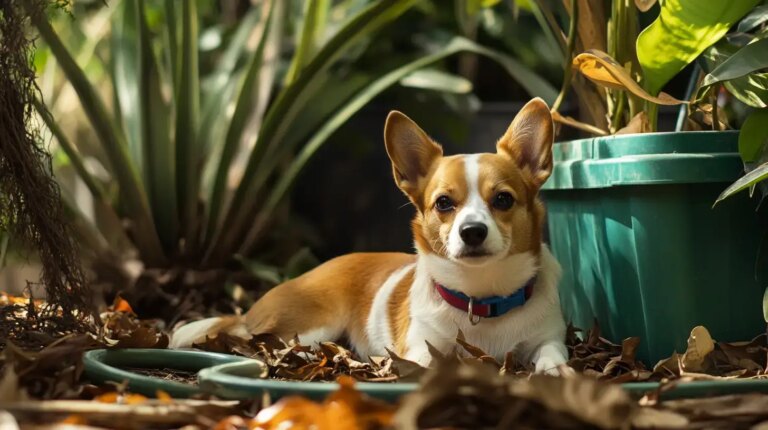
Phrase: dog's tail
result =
(196, 332)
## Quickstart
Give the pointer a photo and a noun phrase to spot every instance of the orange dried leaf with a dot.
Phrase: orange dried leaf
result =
(74, 420)
(111, 397)
(602, 69)
(134, 399)
(163, 397)
(121, 305)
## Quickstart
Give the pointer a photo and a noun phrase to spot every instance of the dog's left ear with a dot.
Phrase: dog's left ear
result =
(411, 151)
(528, 140)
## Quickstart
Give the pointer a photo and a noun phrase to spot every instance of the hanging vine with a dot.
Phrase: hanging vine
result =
(31, 211)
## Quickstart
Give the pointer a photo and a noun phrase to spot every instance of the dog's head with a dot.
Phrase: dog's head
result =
(479, 208)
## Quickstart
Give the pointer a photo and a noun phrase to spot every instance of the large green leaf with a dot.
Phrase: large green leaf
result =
(132, 196)
(187, 117)
(753, 136)
(757, 175)
(747, 60)
(342, 115)
(157, 145)
(683, 30)
(750, 89)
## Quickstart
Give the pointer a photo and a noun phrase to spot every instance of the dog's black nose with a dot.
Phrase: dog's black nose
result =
(473, 233)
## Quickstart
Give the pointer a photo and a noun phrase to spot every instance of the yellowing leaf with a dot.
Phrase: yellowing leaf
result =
(571, 122)
(603, 70)
(700, 344)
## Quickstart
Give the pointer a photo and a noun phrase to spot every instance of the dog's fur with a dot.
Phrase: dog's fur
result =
(388, 300)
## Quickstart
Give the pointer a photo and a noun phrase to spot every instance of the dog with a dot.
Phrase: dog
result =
(480, 264)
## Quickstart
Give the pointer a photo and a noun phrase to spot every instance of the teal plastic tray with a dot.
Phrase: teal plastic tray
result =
(233, 377)
(104, 365)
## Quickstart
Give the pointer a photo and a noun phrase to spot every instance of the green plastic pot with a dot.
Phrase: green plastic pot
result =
(643, 251)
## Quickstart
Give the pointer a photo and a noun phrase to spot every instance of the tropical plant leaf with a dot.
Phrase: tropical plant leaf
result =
(683, 30)
(757, 175)
(261, 271)
(125, 77)
(72, 153)
(248, 97)
(172, 41)
(157, 145)
(219, 87)
(187, 119)
(753, 136)
(133, 197)
(312, 31)
(751, 89)
(341, 115)
(751, 58)
(757, 17)
(280, 117)
(603, 70)
(437, 80)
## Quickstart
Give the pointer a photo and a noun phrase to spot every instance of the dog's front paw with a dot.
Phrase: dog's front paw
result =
(552, 366)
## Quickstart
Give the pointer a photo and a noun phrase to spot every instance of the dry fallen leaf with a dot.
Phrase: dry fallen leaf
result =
(345, 409)
(700, 344)
(603, 70)
(638, 124)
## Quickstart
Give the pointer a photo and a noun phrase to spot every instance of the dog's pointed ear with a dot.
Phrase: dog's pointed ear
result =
(528, 140)
(411, 151)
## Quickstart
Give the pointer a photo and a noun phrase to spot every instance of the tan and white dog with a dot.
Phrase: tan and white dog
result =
(480, 264)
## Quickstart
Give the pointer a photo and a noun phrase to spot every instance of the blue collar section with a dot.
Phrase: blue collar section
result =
(488, 307)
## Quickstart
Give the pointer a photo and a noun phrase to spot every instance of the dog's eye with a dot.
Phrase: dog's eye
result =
(503, 201)
(444, 204)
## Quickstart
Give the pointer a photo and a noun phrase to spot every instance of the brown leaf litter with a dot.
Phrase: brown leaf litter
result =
(466, 388)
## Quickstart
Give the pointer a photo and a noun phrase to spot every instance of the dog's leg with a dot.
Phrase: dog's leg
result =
(549, 356)
(416, 343)
(294, 309)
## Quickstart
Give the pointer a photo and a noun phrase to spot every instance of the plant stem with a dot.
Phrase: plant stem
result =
(568, 56)
(683, 112)
(713, 98)
(547, 21)
(653, 115)
(618, 113)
